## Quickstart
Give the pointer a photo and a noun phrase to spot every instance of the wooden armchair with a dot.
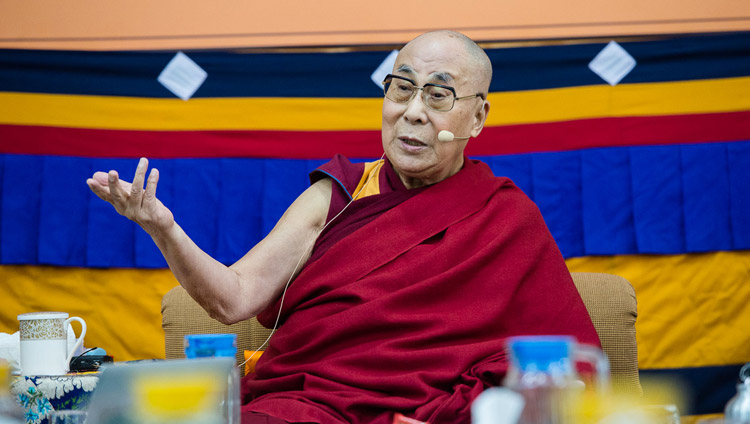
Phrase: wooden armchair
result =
(609, 299)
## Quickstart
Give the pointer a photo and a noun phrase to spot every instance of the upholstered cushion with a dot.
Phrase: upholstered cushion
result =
(611, 303)
(181, 315)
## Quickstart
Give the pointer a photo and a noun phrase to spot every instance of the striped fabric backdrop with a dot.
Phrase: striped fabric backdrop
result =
(649, 179)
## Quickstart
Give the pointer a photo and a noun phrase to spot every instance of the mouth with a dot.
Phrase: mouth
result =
(411, 141)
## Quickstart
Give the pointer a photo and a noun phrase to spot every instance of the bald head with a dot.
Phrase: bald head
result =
(480, 65)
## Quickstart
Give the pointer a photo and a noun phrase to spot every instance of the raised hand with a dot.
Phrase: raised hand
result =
(131, 200)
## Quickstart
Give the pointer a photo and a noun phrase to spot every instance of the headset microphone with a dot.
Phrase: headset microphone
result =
(446, 136)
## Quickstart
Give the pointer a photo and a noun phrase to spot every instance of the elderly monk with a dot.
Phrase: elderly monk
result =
(405, 276)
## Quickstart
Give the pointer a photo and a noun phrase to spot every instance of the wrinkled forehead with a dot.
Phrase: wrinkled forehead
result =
(436, 60)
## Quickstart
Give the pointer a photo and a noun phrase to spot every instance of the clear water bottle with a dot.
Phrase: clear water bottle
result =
(542, 370)
(737, 410)
(219, 346)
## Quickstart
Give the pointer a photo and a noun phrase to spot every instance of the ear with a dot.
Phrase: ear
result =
(479, 118)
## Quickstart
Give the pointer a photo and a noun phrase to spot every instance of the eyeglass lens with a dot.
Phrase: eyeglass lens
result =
(401, 91)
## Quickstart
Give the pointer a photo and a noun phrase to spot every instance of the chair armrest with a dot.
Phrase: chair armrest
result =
(181, 315)
(610, 301)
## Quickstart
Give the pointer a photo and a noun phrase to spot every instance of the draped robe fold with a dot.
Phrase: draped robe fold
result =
(409, 311)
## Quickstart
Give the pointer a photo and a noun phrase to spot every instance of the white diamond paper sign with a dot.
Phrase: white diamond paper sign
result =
(384, 69)
(182, 76)
(613, 63)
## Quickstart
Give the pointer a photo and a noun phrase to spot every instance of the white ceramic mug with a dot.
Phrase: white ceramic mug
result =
(44, 342)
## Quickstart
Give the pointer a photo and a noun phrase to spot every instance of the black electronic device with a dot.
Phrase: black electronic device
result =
(84, 363)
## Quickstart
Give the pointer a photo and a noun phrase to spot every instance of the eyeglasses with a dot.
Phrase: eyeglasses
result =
(437, 97)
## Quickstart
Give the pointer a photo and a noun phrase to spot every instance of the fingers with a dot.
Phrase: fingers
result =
(153, 180)
(100, 177)
(140, 176)
(116, 193)
(98, 188)
(128, 199)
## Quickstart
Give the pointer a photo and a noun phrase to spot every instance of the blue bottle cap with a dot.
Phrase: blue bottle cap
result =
(210, 345)
(539, 353)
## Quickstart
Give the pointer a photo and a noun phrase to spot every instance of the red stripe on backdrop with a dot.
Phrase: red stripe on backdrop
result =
(102, 143)
(612, 132)
(547, 137)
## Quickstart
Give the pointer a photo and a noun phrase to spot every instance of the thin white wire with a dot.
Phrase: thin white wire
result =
(289, 281)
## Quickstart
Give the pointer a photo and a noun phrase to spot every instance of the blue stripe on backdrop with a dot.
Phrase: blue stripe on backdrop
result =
(516, 167)
(232, 74)
(706, 389)
(705, 180)
(196, 199)
(557, 180)
(664, 200)
(22, 183)
(657, 199)
(240, 217)
(739, 192)
(2, 167)
(285, 180)
(606, 191)
(110, 239)
(63, 213)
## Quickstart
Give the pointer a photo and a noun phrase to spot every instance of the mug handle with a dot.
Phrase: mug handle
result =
(79, 341)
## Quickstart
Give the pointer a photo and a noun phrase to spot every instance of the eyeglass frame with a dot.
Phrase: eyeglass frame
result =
(429, 84)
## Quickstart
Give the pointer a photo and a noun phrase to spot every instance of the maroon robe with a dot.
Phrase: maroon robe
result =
(408, 307)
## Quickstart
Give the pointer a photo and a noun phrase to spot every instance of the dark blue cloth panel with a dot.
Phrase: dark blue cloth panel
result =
(541, 67)
(705, 183)
(678, 58)
(110, 237)
(147, 255)
(289, 74)
(706, 389)
(347, 74)
(241, 183)
(557, 190)
(515, 167)
(691, 57)
(657, 199)
(22, 181)
(607, 204)
(739, 192)
(230, 74)
(63, 210)
(195, 190)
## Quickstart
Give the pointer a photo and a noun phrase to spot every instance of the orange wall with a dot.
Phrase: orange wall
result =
(184, 24)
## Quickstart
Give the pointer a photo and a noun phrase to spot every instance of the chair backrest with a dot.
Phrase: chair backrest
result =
(611, 303)
(609, 299)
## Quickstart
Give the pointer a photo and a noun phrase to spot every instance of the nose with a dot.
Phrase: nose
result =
(416, 110)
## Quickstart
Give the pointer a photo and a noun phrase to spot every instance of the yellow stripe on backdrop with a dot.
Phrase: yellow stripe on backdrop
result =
(508, 108)
(692, 309)
(602, 101)
(121, 307)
